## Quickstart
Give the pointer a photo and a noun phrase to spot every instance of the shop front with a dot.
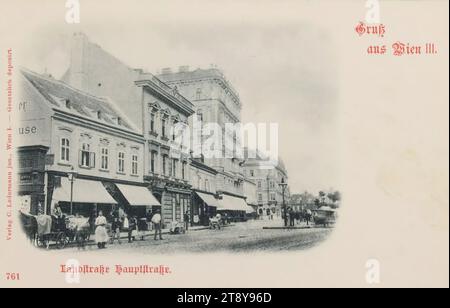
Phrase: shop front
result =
(204, 206)
(139, 200)
(233, 208)
(81, 196)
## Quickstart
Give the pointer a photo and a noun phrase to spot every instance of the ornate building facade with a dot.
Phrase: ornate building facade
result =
(153, 107)
(269, 192)
(77, 150)
(215, 101)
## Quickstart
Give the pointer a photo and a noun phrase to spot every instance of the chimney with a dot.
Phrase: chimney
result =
(78, 62)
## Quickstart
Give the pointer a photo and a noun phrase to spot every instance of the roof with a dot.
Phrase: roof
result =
(57, 93)
(174, 77)
(256, 157)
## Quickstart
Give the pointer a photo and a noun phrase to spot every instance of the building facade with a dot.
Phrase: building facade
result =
(153, 107)
(167, 168)
(251, 193)
(215, 101)
(269, 192)
(204, 192)
(155, 104)
(77, 150)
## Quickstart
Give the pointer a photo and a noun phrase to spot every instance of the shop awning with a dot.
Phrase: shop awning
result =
(250, 210)
(210, 200)
(84, 191)
(137, 195)
(232, 204)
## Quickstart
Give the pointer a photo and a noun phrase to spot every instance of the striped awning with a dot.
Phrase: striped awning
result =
(210, 200)
(232, 204)
(84, 191)
(137, 195)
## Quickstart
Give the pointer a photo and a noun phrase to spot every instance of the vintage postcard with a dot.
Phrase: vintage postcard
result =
(224, 144)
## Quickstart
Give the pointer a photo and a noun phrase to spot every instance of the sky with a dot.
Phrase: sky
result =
(285, 70)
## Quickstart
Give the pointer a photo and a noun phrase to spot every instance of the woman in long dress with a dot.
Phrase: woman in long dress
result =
(101, 235)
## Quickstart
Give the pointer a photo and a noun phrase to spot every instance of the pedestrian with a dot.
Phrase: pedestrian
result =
(157, 221)
(115, 228)
(308, 217)
(291, 217)
(186, 220)
(149, 217)
(101, 235)
(126, 226)
(142, 227)
(134, 228)
(57, 212)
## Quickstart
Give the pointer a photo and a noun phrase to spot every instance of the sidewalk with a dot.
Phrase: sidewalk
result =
(124, 235)
(279, 224)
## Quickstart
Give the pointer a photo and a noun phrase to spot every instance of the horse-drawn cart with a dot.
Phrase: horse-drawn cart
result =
(324, 216)
(45, 230)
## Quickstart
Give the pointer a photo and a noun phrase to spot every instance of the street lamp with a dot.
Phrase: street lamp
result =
(283, 186)
(72, 175)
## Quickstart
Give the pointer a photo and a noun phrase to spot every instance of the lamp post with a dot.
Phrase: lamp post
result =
(72, 175)
(283, 186)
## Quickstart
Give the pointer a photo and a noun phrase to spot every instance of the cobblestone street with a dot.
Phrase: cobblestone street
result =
(239, 237)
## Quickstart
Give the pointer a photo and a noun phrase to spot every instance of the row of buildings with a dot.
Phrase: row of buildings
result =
(101, 138)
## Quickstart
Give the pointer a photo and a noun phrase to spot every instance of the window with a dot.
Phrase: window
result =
(134, 164)
(173, 130)
(183, 171)
(272, 185)
(164, 128)
(153, 161)
(87, 158)
(174, 168)
(104, 159)
(200, 117)
(170, 167)
(252, 172)
(152, 122)
(260, 197)
(65, 150)
(198, 93)
(259, 184)
(121, 162)
(164, 164)
(273, 197)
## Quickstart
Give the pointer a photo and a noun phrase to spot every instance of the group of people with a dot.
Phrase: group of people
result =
(122, 222)
(297, 217)
(109, 229)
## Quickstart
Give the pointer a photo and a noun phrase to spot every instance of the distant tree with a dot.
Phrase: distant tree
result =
(322, 196)
(334, 196)
(317, 202)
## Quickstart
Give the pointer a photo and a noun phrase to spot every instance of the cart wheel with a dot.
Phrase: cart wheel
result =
(61, 241)
(41, 242)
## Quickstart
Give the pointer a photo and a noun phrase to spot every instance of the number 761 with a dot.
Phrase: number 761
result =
(12, 276)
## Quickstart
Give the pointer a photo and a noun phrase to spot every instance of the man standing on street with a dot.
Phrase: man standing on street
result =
(156, 220)
(186, 220)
